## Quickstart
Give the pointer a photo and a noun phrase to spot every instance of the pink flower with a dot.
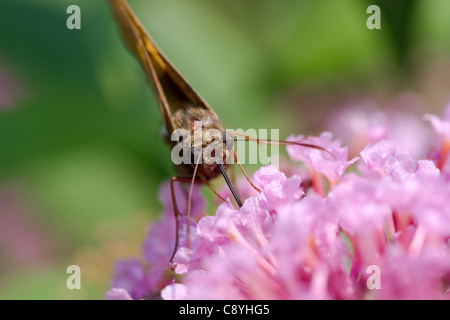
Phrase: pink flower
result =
(440, 126)
(375, 156)
(118, 294)
(382, 159)
(146, 279)
(358, 206)
(285, 242)
(277, 190)
(130, 275)
(249, 225)
(332, 164)
(406, 277)
(158, 247)
(426, 168)
(174, 291)
(365, 123)
(430, 206)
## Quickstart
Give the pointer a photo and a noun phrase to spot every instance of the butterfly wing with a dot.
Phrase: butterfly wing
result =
(172, 89)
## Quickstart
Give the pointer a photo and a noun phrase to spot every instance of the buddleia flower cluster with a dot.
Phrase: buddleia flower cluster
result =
(376, 226)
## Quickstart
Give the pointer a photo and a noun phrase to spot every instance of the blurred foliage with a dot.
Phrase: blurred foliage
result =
(82, 142)
(399, 17)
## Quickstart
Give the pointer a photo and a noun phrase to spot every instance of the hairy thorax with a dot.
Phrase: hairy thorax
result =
(207, 139)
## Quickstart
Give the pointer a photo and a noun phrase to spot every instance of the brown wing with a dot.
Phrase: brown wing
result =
(172, 89)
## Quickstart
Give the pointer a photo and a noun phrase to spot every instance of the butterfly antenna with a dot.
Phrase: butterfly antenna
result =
(281, 142)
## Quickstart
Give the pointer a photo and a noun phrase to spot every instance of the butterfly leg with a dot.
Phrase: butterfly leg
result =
(176, 211)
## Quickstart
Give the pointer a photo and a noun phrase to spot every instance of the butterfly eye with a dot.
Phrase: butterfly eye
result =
(229, 141)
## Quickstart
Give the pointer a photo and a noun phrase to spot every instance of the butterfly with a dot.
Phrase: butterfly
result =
(186, 115)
